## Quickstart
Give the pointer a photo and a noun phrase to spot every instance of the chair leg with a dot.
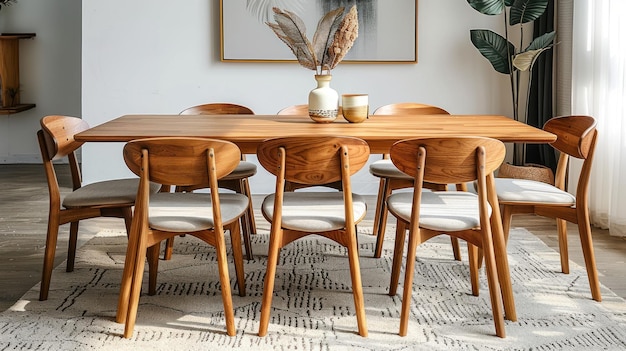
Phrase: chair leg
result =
(270, 276)
(397, 257)
(235, 238)
(502, 260)
(472, 251)
(494, 286)
(138, 260)
(127, 274)
(153, 267)
(71, 249)
(222, 265)
(380, 222)
(169, 248)
(507, 216)
(561, 226)
(456, 248)
(48, 260)
(379, 203)
(584, 228)
(414, 240)
(251, 220)
(357, 285)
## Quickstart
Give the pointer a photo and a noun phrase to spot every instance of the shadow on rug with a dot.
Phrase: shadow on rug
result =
(313, 306)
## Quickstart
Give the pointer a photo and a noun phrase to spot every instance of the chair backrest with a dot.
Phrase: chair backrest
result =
(295, 110)
(448, 160)
(166, 157)
(58, 133)
(313, 160)
(219, 108)
(575, 137)
(56, 141)
(410, 108)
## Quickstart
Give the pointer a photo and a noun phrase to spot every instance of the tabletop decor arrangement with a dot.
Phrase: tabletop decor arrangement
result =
(333, 38)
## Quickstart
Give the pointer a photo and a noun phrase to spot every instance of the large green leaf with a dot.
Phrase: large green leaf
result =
(542, 42)
(524, 11)
(488, 7)
(494, 48)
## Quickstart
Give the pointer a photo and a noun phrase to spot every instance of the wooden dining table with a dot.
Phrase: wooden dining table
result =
(380, 132)
(247, 131)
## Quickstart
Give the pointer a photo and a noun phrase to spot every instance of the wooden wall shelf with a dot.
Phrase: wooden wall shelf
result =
(10, 72)
(15, 109)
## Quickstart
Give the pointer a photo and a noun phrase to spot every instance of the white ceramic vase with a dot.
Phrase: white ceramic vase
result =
(323, 100)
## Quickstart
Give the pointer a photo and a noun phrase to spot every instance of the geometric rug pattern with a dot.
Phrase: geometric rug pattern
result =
(312, 305)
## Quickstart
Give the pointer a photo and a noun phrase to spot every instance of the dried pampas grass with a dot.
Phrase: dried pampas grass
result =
(333, 38)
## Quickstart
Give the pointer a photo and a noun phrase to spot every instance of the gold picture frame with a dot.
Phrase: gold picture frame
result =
(387, 29)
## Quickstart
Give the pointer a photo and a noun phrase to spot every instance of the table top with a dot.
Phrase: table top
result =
(247, 131)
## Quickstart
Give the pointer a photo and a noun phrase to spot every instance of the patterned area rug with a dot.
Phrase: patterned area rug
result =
(313, 306)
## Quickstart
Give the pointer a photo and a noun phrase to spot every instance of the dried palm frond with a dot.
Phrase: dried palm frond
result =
(325, 34)
(333, 37)
(344, 38)
(292, 31)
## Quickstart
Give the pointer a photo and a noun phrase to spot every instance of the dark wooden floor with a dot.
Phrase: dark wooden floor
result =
(23, 220)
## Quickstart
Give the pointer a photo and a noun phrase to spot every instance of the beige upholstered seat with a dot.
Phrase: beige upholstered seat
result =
(576, 137)
(164, 215)
(314, 160)
(462, 214)
(112, 198)
(236, 181)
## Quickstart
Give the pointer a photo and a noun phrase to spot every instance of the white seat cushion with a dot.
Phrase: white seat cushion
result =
(190, 212)
(244, 169)
(522, 190)
(110, 192)
(446, 211)
(314, 212)
(386, 169)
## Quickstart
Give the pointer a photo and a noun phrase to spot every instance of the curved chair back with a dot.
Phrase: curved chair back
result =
(295, 110)
(410, 108)
(313, 160)
(167, 155)
(219, 108)
(450, 160)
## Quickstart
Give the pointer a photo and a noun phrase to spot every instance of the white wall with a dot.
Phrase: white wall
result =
(157, 56)
(49, 71)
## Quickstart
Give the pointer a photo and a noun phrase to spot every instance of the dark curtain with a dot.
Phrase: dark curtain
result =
(540, 99)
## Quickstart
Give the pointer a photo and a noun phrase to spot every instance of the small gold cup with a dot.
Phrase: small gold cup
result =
(355, 107)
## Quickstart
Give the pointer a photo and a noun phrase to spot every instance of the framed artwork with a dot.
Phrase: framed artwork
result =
(387, 29)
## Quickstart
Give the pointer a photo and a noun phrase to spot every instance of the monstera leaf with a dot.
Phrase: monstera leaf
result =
(494, 47)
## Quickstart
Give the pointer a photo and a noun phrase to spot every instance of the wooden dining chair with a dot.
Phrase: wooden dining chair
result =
(313, 160)
(392, 179)
(111, 198)
(165, 214)
(576, 138)
(236, 181)
(472, 217)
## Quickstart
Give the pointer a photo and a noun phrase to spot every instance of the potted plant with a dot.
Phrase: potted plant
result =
(505, 57)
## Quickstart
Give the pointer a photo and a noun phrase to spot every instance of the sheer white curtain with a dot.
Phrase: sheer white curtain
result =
(599, 90)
